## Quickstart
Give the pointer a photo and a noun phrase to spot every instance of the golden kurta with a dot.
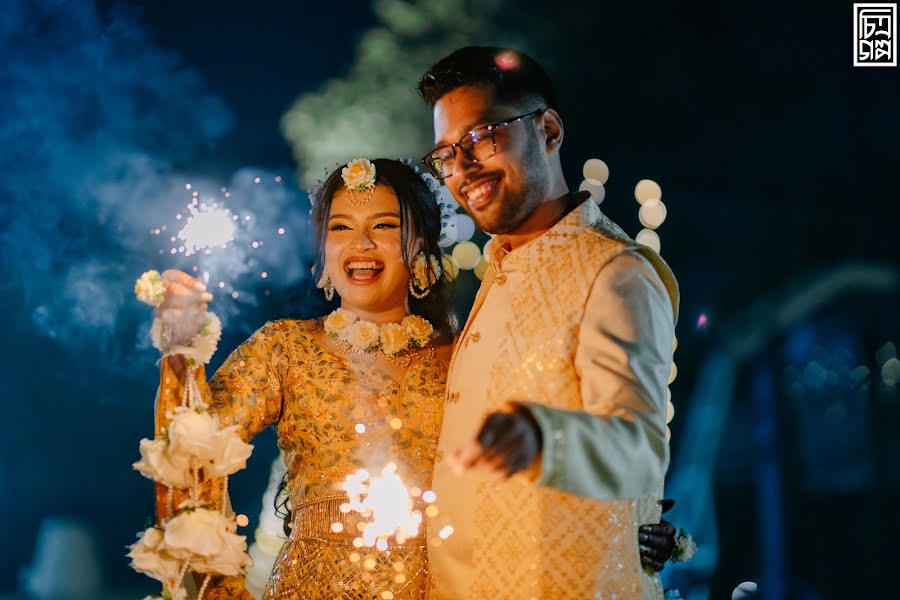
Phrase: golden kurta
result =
(285, 376)
(578, 326)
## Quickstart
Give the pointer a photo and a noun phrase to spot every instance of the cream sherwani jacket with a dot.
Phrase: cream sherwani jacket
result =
(577, 325)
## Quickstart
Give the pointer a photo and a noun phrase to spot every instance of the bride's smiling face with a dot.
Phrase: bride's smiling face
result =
(364, 251)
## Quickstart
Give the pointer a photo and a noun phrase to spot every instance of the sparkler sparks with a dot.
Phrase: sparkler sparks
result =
(206, 228)
(387, 505)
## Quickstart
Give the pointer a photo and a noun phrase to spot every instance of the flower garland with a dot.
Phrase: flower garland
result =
(392, 339)
(192, 448)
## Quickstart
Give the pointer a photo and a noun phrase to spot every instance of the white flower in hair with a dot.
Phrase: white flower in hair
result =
(359, 175)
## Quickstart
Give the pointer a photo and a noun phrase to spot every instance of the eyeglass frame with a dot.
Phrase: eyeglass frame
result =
(490, 130)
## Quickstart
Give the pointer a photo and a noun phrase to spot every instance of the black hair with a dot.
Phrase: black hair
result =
(515, 77)
(420, 216)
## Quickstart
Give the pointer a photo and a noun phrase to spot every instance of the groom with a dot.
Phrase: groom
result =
(555, 419)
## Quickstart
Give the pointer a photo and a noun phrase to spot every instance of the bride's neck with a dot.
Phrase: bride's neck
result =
(391, 315)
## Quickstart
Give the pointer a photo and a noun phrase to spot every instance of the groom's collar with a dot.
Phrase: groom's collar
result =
(584, 214)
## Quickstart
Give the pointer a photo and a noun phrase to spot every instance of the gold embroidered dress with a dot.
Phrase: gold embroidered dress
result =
(578, 325)
(286, 376)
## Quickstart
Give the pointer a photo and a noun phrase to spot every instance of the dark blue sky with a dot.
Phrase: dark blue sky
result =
(775, 154)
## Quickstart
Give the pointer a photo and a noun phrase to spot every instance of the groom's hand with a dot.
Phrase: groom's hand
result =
(657, 542)
(507, 443)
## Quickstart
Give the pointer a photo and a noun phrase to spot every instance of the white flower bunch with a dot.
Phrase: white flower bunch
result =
(199, 350)
(149, 288)
(685, 547)
(194, 447)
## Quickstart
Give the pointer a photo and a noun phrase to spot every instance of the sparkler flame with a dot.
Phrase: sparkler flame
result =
(387, 505)
(206, 228)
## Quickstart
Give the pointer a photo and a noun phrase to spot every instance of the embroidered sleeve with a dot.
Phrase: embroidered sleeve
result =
(616, 446)
(246, 389)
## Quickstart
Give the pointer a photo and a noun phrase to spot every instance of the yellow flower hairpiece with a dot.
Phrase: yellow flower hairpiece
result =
(359, 176)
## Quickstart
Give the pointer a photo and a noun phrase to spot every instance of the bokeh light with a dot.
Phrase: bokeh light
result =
(649, 238)
(467, 255)
(652, 213)
(598, 192)
(646, 189)
(596, 169)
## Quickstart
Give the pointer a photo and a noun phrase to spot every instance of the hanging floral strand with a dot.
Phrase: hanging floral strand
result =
(193, 448)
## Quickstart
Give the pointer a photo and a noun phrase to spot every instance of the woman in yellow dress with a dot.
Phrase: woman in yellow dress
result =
(356, 389)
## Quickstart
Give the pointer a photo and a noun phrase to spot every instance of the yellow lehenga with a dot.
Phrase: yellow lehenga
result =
(334, 414)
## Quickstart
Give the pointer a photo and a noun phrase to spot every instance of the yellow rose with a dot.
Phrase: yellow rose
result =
(362, 335)
(337, 322)
(393, 338)
(418, 329)
(359, 174)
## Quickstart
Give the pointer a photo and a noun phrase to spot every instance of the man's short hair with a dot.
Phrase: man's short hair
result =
(515, 77)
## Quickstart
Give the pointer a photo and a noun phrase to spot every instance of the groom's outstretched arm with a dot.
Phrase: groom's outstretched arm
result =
(616, 446)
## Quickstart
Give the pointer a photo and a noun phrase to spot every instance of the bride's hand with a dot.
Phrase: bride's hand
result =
(184, 307)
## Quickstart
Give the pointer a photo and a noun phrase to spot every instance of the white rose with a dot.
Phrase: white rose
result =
(232, 559)
(191, 433)
(230, 453)
(194, 533)
(362, 335)
(418, 329)
(393, 338)
(339, 321)
(149, 556)
(359, 174)
(159, 465)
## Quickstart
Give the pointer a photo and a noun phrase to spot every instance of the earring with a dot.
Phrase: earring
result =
(326, 285)
(420, 277)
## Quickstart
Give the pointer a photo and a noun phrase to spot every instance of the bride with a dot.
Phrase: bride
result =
(356, 389)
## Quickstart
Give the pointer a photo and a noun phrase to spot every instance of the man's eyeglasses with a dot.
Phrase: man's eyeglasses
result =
(477, 145)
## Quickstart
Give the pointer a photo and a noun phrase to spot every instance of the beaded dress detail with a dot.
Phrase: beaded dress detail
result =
(334, 414)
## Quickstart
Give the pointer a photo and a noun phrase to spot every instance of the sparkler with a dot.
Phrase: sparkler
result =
(207, 227)
(386, 504)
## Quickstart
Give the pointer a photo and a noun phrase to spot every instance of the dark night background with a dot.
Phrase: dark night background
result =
(779, 164)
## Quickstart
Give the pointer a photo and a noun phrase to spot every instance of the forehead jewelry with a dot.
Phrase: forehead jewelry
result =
(359, 179)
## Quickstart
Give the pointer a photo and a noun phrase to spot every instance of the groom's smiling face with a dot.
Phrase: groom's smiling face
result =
(502, 191)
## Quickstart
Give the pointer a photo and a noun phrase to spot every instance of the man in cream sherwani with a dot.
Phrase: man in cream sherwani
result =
(554, 442)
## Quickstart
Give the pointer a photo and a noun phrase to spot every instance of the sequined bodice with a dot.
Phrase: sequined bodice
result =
(334, 414)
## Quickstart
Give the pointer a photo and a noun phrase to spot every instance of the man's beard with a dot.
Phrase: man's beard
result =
(513, 210)
(517, 205)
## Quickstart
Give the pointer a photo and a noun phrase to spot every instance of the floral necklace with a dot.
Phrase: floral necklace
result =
(394, 340)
